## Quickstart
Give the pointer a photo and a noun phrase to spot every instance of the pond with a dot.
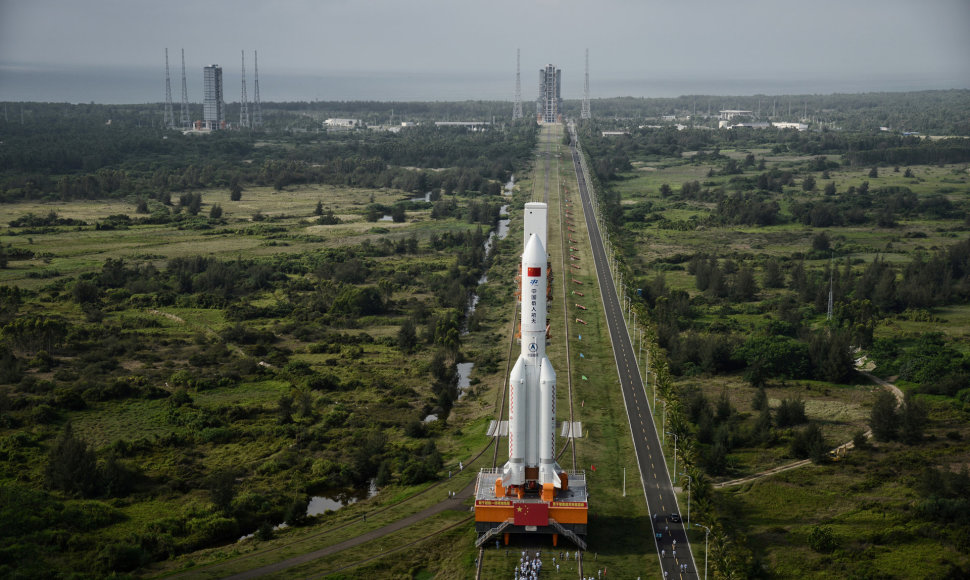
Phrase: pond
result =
(335, 498)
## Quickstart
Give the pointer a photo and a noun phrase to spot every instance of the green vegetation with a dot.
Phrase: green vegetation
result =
(179, 368)
(199, 333)
(733, 241)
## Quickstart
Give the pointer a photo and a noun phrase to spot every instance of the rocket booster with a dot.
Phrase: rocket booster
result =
(532, 382)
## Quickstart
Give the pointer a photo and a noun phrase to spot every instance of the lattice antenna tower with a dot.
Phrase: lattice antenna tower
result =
(517, 104)
(828, 315)
(585, 113)
(185, 96)
(169, 116)
(257, 108)
(244, 101)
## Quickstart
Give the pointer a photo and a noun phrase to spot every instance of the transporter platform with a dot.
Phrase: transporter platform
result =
(501, 511)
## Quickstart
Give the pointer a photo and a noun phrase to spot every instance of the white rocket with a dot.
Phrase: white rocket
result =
(532, 383)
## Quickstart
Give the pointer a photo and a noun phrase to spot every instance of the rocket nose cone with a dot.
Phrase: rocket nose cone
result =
(534, 252)
(546, 372)
(517, 375)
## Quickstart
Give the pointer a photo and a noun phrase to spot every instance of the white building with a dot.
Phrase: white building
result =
(728, 114)
(786, 125)
(342, 123)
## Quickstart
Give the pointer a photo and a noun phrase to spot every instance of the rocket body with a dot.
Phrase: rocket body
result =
(532, 382)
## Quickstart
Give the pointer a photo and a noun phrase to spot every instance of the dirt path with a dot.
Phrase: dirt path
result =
(455, 503)
(838, 451)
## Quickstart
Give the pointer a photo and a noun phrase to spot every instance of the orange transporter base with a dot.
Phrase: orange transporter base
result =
(501, 512)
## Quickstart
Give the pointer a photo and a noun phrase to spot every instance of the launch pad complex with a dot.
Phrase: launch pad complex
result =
(531, 493)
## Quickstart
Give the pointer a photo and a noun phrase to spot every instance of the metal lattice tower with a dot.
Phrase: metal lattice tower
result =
(828, 315)
(244, 101)
(517, 105)
(169, 116)
(585, 114)
(257, 108)
(185, 96)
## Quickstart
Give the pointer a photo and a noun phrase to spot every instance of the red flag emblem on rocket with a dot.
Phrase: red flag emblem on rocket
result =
(531, 514)
(533, 272)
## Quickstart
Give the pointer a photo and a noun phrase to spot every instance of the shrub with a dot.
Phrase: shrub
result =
(822, 539)
(791, 412)
(121, 557)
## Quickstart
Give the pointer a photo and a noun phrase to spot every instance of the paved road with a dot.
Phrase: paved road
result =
(657, 486)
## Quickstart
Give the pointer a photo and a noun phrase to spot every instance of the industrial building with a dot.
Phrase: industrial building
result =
(549, 104)
(728, 114)
(213, 104)
(342, 123)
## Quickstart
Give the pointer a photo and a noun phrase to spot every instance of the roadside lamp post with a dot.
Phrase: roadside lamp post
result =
(654, 382)
(689, 480)
(622, 296)
(707, 532)
(674, 435)
(640, 351)
(663, 424)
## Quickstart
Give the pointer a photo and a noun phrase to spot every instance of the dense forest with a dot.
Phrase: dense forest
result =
(59, 157)
(943, 112)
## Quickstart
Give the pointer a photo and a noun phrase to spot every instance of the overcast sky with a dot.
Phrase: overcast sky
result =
(828, 40)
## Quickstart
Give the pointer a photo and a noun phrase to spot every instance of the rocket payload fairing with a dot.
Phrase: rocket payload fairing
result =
(532, 383)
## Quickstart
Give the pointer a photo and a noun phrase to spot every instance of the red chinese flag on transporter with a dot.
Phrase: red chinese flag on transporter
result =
(531, 514)
(531, 272)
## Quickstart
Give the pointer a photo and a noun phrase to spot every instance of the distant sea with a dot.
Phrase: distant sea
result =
(139, 85)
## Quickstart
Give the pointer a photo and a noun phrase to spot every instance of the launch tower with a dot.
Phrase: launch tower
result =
(213, 107)
(549, 104)
(531, 493)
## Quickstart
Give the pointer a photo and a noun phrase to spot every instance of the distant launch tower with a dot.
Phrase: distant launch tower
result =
(517, 105)
(585, 114)
(185, 97)
(549, 104)
(531, 493)
(257, 108)
(213, 106)
(243, 104)
(169, 116)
